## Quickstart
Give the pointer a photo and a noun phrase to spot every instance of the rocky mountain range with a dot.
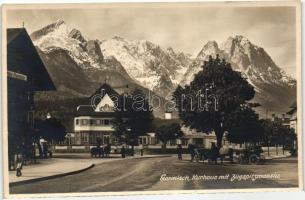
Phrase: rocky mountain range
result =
(79, 65)
(275, 90)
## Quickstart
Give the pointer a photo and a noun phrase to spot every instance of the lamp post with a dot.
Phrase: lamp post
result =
(131, 140)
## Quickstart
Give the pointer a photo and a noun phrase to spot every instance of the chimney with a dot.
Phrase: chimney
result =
(102, 92)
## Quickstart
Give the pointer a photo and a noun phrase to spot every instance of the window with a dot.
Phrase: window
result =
(106, 122)
(98, 122)
(85, 137)
(106, 108)
(91, 122)
(84, 121)
(77, 121)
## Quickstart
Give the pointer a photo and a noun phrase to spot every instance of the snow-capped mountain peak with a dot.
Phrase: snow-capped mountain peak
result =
(58, 28)
(60, 36)
(251, 60)
(210, 48)
(255, 65)
(155, 67)
(148, 63)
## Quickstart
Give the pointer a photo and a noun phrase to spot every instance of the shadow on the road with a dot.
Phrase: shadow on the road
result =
(81, 156)
(277, 161)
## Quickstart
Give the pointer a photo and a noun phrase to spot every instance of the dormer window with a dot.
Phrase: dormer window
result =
(105, 105)
(106, 108)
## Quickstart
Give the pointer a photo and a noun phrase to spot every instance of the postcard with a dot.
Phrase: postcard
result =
(151, 98)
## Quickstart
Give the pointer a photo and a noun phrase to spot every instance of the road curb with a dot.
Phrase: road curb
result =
(161, 156)
(50, 177)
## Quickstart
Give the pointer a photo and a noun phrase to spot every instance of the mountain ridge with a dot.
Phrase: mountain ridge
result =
(160, 69)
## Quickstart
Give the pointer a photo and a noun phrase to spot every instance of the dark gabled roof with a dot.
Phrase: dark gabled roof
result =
(293, 105)
(293, 108)
(290, 112)
(22, 57)
(107, 90)
(88, 110)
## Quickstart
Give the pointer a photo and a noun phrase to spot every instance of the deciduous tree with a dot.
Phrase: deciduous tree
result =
(168, 132)
(208, 101)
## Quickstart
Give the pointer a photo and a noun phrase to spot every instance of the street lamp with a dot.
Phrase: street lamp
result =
(48, 116)
(131, 140)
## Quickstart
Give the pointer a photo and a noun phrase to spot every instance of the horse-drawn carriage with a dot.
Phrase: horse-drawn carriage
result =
(100, 151)
(250, 155)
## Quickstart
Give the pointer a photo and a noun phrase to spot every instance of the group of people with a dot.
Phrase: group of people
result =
(26, 152)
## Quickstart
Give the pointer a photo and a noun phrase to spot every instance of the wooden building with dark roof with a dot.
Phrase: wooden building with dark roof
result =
(26, 74)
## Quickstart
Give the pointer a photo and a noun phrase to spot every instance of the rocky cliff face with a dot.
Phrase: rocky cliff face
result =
(78, 65)
(149, 64)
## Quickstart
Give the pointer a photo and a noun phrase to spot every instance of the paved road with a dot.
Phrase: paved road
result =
(144, 174)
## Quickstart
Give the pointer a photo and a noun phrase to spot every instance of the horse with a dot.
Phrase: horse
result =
(212, 155)
(97, 151)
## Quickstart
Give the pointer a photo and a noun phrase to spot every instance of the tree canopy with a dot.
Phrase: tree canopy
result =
(168, 132)
(50, 129)
(133, 116)
(243, 126)
(212, 98)
(275, 133)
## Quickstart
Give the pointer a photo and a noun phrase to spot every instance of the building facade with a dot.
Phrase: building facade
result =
(93, 123)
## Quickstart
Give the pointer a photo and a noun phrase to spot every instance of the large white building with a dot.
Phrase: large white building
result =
(95, 120)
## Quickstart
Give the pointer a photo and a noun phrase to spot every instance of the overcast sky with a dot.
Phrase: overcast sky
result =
(183, 28)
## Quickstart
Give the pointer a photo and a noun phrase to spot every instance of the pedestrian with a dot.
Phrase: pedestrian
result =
(123, 152)
(231, 152)
(108, 150)
(23, 152)
(19, 165)
(40, 147)
(192, 152)
(142, 150)
(45, 149)
(33, 150)
(179, 151)
(214, 153)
